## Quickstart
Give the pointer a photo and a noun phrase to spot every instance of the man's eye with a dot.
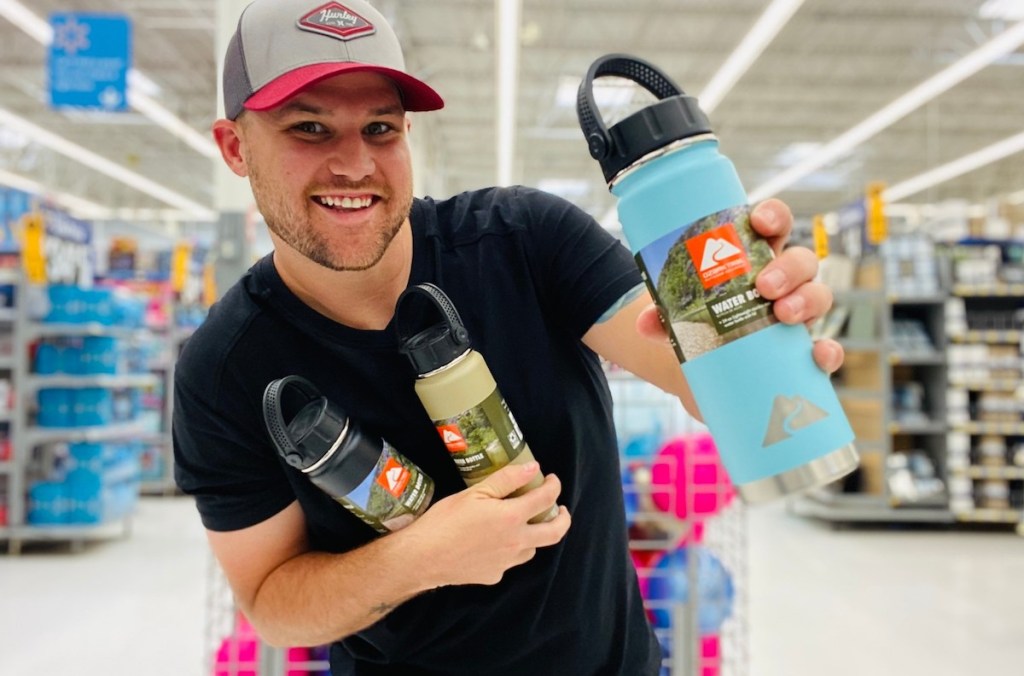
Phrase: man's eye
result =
(310, 128)
(377, 128)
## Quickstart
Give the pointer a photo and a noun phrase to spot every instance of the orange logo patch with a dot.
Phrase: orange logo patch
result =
(452, 437)
(718, 255)
(394, 478)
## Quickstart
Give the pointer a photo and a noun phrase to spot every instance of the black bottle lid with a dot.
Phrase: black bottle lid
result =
(439, 344)
(319, 438)
(675, 116)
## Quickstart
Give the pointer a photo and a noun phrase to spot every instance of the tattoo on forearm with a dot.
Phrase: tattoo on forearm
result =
(382, 608)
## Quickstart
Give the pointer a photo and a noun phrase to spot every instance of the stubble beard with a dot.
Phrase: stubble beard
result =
(296, 230)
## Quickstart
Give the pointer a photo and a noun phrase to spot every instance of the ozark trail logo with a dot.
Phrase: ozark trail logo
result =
(336, 20)
(716, 251)
(452, 437)
(718, 255)
(394, 478)
(789, 416)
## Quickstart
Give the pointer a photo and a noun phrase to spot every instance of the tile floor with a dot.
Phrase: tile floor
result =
(856, 602)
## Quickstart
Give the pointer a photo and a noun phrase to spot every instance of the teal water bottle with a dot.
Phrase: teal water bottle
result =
(773, 413)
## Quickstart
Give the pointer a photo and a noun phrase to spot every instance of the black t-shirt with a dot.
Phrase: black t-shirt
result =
(529, 274)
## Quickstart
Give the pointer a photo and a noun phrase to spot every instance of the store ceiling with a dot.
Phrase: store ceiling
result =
(833, 65)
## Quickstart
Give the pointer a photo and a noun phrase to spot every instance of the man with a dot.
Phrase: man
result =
(316, 97)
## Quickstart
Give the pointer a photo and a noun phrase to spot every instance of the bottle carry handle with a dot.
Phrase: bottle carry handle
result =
(648, 76)
(440, 302)
(273, 410)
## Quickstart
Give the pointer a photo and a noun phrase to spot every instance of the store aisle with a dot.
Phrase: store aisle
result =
(886, 601)
(881, 602)
(126, 607)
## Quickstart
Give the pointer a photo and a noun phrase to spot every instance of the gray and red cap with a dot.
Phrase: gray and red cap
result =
(282, 47)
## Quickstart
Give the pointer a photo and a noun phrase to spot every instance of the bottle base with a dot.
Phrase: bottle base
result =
(818, 472)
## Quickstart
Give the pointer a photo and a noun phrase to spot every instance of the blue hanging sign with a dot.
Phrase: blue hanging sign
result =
(89, 59)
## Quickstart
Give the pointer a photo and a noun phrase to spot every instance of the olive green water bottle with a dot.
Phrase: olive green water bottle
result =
(459, 394)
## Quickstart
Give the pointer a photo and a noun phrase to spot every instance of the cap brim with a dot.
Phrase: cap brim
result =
(416, 95)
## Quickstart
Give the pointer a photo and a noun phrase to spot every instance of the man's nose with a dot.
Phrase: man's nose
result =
(352, 160)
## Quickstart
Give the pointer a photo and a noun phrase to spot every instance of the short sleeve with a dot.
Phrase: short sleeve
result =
(584, 269)
(222, 455)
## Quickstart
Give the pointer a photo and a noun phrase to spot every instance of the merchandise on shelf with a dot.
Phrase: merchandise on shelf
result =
(910, 265)
(101, 305)
(90, 484)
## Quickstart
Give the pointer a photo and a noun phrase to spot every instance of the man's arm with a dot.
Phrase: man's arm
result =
(297, 597)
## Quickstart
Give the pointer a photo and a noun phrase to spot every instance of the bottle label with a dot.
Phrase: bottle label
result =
(392, 495)
(483, 438)
(702, 279)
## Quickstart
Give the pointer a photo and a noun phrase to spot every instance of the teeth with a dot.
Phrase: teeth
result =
(346, 202)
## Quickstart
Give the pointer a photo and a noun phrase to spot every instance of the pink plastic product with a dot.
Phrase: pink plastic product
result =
(238, 654)
(688, 478)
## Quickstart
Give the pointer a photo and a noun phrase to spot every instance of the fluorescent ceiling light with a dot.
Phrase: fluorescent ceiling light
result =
(103, 165)
(86, 209)
(609, 92)
(141, 83)
(957, 167)
(78, 206)
(1002, 44)
(140, 87)
(26, 20)
(796, 152)
(507, 16)
(12, 140)
(774, 17)
(169, 121)
(1008, 10)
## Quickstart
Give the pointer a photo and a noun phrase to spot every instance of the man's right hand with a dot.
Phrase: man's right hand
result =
(474, 536)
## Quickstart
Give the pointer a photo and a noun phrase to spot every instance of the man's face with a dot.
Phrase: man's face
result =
(330, 169)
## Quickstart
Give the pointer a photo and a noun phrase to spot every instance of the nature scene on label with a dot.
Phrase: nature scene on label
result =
(703, 281)
(481, 439)
(384, 496)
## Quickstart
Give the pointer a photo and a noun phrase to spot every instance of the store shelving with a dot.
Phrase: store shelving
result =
(892, 387)
(954, 397)
(986, 376)
(40, 452)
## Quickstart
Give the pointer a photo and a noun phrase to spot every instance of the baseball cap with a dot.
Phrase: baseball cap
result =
(282, 47)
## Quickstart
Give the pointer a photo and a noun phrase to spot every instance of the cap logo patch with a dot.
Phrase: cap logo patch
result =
(337, 21)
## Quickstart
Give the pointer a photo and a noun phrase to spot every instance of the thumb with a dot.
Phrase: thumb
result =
(508, 479)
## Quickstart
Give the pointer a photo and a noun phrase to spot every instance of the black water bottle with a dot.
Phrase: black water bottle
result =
(363, 473)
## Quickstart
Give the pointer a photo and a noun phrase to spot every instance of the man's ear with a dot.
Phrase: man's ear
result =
(228, 138)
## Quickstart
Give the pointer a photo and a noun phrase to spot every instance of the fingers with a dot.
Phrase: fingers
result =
(828, 355)
(509, 479)
(773, 220)
(787, 281)
(551, 532)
